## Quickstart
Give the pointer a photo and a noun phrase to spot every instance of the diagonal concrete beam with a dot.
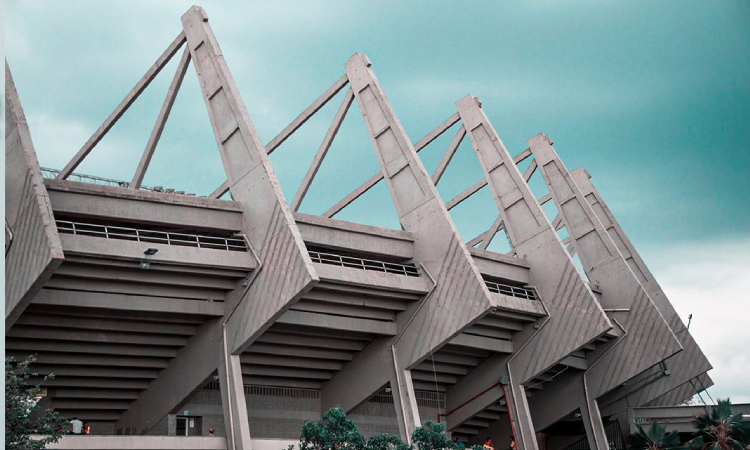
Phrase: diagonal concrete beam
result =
(683, 366)
(36, 250)
(575, 316)
(569, 302)
(178, 382)
(287, 271)
(459, 297)
(606, 268)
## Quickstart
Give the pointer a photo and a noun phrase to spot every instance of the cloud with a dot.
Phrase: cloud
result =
(711, 280)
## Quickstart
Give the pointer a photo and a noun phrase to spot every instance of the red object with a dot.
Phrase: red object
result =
(86, 429)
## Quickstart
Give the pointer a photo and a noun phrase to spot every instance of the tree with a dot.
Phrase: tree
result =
(336, 432)
(721, 429)
(333, 432)
(655, 438)
(431, 436)
(23, 416)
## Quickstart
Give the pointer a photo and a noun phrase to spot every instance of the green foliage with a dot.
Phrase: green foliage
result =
(655, 438)
(431, 436)
(22, 415)
(721, 429)
(386, 441)
(333, 432)
(336, 432)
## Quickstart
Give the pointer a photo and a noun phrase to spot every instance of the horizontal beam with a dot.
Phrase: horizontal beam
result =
(115, 337)
(83, 323)
(27, 346)
(120, 302)
(144, 210)
(295, 352)
(483, 343)
(343, 235)
(89, 371)
(167, 254)
(338, 323)
(282, 361)
(69, 357)
(135, 274)
(371, 278)
(139, 442)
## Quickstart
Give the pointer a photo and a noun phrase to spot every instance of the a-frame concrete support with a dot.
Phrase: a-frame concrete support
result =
(287, 270)
(683, 366)
(33, 250)
(622, 294)
(569, 302)
(437, 247)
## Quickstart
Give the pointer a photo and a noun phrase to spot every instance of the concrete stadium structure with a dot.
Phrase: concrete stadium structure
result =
(164, 314)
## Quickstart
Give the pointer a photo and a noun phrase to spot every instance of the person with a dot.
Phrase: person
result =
(211, 432)
(86, 428)
(75, 426)
(488, 445)
(459, 445)
(513, 445)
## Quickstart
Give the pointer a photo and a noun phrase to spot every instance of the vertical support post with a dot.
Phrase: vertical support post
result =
(405, 401)
(520, 416)
(233, 403)
(287, 271)
(592, 422)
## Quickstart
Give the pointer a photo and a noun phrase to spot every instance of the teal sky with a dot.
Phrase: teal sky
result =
(651, 97)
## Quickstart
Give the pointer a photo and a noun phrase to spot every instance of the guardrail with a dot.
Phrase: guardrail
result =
(102, 181)
(513, 291)
(408, 269)
(157, 237)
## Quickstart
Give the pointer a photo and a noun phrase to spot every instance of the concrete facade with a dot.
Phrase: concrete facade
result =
(164, 314)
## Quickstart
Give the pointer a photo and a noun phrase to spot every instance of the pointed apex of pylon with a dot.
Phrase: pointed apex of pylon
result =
(196, 10)
(361, 57)
(467, 101)
(539, 137)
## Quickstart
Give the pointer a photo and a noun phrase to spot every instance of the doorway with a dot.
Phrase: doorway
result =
(189, 426)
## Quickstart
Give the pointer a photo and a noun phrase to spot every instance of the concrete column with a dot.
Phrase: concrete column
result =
(405, 402)
(592, 421)
(520, 416)
(233, 403)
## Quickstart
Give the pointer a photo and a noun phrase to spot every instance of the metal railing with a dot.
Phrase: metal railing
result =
(83, 178)
(429, 399)
(157, 237)
(407, 269)
(513, 291)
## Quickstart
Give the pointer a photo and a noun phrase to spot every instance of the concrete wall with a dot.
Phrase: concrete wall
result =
(281, 417)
